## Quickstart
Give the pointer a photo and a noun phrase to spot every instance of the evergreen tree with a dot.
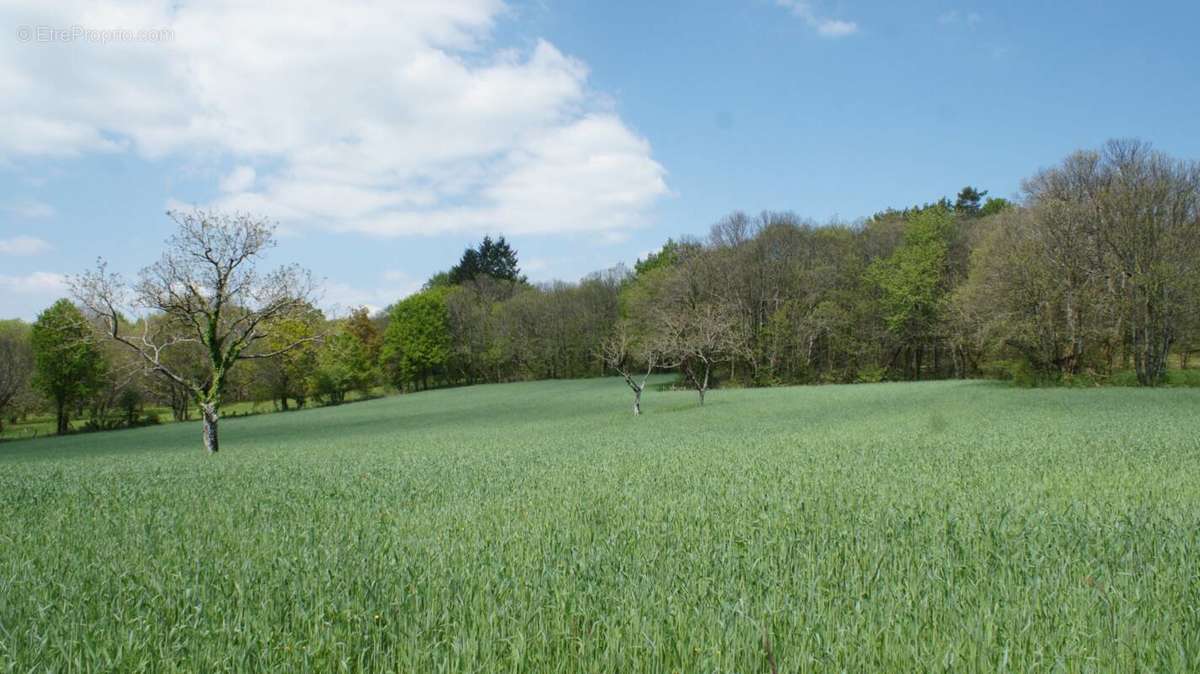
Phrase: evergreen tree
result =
(494, 258)
(969, 201)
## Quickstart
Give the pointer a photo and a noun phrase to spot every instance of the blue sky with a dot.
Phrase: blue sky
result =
(385, 138)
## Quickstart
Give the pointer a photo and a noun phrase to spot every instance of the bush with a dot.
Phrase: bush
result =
(871, 374)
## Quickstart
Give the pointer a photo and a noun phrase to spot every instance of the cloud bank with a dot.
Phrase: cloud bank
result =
(388, 118)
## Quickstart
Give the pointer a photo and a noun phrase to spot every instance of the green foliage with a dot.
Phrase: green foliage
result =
(943, 526)
(438, 280)
(16, 369)
(69, 366)
(911, 281)
(995, 205)
(666, 257)
(287, 375)
(349, 359)
(416, 344)
(1021, 373)
(872, 374)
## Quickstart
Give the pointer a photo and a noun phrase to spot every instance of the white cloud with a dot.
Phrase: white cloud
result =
(238, 180)
(30, 210)
(38, 283)
(24, 296)
(534, 265)
(339, 298)
(384, 117)
(824, 26)
(23, 245)
(836, 27)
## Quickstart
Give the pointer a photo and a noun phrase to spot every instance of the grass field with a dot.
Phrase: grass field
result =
(958, 526)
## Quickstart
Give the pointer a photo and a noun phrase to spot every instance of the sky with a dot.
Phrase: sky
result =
(384, 137)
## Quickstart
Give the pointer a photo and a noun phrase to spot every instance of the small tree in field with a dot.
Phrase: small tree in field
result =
(695, 339)
(207, 291)
(624, 353)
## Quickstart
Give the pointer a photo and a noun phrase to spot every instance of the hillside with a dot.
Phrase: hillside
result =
(540, 527)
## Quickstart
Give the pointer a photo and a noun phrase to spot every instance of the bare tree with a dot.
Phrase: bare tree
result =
(624, 352)
(695, 338)
(205, 290)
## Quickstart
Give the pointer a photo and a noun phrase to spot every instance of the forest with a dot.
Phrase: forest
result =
(1088, 276)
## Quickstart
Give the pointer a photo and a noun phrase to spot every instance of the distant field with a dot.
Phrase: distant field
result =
(959, 526)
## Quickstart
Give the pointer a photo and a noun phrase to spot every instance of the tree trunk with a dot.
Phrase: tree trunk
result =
(637, 401)
(61, 418)
(211, 416)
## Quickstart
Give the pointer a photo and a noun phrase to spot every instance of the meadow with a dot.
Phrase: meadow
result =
(539, 527)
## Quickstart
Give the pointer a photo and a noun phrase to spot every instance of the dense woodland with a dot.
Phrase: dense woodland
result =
(1091, 275)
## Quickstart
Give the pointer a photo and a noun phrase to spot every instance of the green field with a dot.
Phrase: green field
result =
(959, 526)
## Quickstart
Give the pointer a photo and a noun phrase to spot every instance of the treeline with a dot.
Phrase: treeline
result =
(1095, 271)
(1092, 273)
(62, 366)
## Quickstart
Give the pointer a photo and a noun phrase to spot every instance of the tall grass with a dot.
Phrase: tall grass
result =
(951, 526)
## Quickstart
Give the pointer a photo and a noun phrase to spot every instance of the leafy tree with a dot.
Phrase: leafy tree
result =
(1143, 210)
(416, 344)
(994, 206)
(438, 280)
(911, 283)
(349, 359)
(286, 375)
(1034, 293)
(366, 331)
(667, 256)
(16, 365)
(341, 366)
(68, 366)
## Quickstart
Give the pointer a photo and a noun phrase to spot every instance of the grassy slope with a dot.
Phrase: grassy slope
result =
(539, 527)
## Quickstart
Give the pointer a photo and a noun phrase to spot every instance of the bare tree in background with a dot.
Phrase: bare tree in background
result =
(695, 338)
(625, 353)
(206, 291)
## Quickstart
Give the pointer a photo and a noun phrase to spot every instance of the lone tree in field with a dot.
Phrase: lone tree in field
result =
(695, 338)
(206, 290)
(624, 352)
